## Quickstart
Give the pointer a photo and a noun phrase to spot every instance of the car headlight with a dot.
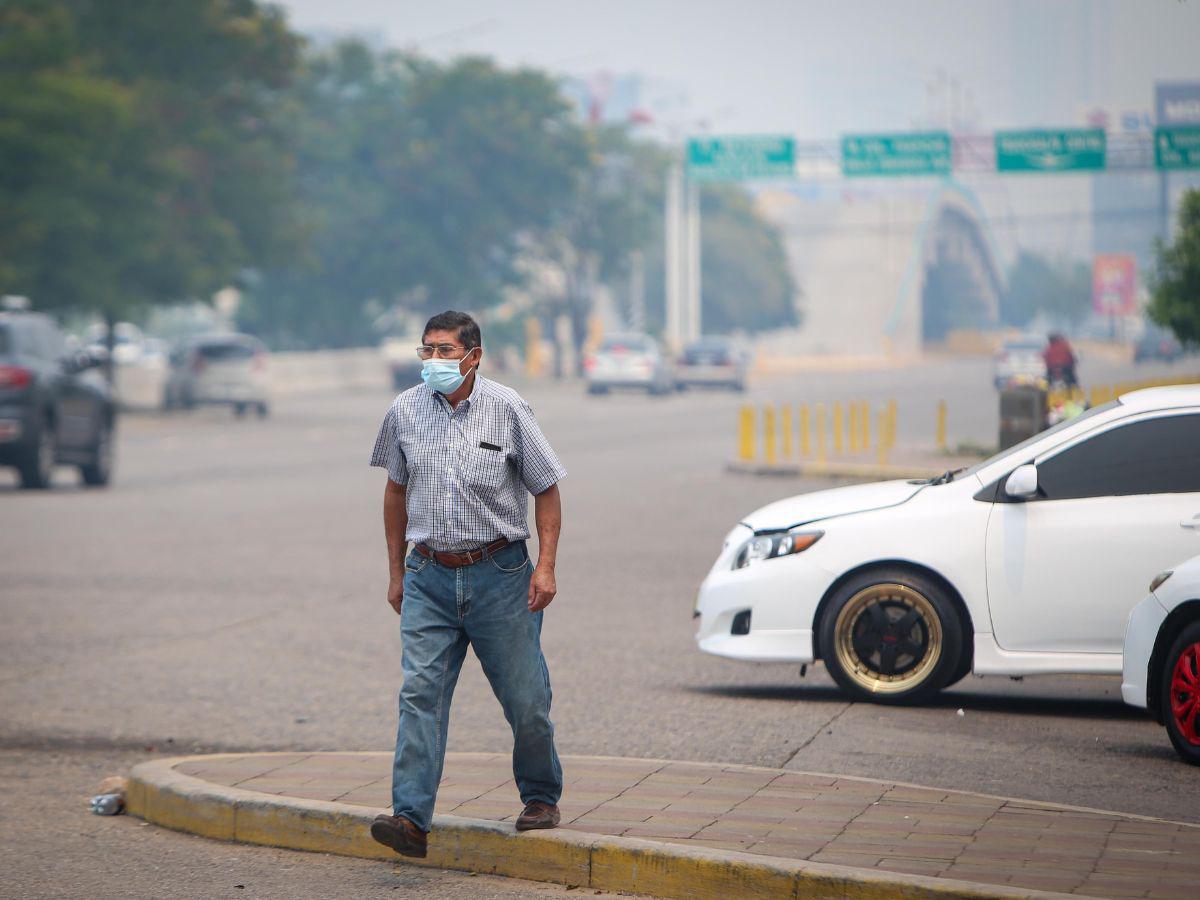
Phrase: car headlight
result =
(773, 546)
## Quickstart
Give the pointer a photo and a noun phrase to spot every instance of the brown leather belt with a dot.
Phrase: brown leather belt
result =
(463, 558)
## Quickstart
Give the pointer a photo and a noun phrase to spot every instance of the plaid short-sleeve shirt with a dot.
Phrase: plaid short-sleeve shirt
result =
(468, 471)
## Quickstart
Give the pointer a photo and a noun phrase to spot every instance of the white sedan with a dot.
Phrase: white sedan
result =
(1023, 564)
(1162, 655)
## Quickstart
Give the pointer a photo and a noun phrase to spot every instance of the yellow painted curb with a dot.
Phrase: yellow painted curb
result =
(160, 794)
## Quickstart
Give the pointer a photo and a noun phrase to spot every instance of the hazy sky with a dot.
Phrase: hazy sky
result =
(815, 69)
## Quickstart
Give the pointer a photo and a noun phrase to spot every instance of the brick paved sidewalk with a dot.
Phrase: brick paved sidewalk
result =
(794, 815)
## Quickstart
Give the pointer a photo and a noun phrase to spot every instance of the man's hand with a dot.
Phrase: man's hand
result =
(541, 588)
(396, 593)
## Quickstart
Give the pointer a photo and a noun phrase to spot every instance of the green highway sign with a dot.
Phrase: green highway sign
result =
(1177, 147)
(919, 153)
(1065, 150)
(741, 158)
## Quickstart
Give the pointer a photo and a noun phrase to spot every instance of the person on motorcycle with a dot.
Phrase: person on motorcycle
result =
(1060, 361)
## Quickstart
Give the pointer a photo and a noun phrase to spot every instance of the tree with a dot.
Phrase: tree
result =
(1175, 284)
(1059, 289)
(139, 162)
(610, 215)
(425, 183)
(746, 281)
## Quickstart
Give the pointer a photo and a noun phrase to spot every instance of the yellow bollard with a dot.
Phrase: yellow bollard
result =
(746, 434)
(820, 412)
(881, 436)
(866, 427)
(805, 441)
(785, 431)
(769, 435)
(533, 347)
(891, 430)
(941, 425)
(852, 427)
(837, 428)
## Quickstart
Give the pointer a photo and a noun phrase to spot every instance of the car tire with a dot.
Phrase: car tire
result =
(262, 409)
(98, 473)
(1180, 697)
(36, 469)
(239, 409)
(891, 636)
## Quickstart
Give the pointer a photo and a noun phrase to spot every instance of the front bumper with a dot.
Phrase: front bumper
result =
(781, 595)
(1140, 634)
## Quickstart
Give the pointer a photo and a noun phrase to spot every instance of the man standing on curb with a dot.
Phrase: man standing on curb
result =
(461, 453)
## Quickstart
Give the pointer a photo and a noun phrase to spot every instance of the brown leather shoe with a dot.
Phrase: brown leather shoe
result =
(400, 834)
(537, 815)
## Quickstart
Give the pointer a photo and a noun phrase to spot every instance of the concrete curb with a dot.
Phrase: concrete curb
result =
(163, 796)
(858, 471)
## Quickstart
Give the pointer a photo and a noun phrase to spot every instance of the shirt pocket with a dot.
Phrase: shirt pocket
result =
(487, 462)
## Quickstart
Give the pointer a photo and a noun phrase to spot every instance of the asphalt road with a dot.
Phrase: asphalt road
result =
(227, 592)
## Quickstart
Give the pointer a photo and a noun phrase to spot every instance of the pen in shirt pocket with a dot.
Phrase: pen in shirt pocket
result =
(486, 446)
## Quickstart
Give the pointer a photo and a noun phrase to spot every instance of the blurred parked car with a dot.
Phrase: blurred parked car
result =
(712, 362)
(1019, 361)
(1157, 344)
(1026, 563)
(128, 342)
(55, 408)
(225, 369)
(1162, 653)
(402, 360)
(628, 361)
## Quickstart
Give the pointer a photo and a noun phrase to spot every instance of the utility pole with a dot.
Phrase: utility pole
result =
(692, 327)
(674, 263)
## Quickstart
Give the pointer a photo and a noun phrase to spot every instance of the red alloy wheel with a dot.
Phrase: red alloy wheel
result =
(1185, 694)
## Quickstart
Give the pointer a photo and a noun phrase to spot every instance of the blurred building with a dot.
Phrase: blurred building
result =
(885, 270)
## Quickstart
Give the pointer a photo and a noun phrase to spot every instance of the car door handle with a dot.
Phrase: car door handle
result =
(1192, 523)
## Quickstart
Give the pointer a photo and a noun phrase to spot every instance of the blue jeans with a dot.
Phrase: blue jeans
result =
(484, 605)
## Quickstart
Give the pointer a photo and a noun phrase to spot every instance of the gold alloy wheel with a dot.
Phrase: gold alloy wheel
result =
(888, 638)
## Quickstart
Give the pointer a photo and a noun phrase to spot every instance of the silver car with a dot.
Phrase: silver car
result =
(712, 362)
(628, 361)
(1019, 361)
(224, 369)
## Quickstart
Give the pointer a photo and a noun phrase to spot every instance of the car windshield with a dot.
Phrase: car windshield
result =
(625, 344)
(229, 351)
(1023, 347)
(1017, 448)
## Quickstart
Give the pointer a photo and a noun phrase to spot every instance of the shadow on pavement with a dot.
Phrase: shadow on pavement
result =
(1070, 707)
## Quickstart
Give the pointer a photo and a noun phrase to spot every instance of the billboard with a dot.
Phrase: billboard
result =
(1114, 284)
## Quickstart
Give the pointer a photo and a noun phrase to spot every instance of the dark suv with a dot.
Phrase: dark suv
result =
(55, 408)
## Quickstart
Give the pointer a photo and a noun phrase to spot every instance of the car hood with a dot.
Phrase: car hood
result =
(805, 508)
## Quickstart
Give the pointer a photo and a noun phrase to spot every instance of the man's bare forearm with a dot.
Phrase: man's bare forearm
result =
(547, 513)
(395, 525)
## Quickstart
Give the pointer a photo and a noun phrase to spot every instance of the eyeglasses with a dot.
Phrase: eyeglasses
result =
(441, 351)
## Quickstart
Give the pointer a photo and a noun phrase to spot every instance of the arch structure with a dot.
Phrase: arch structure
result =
(952, 280)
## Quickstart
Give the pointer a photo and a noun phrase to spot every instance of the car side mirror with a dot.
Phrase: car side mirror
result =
(1022, 484)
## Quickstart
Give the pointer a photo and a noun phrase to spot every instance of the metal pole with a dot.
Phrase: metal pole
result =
(673, 264)
(693, 328)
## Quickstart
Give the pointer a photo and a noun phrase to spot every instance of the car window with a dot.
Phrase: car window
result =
(628, 344)
(221, 352)
(1155, 456)
(1040, 436)
(5, 340)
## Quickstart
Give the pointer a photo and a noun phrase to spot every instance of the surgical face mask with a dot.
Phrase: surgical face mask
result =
(443, 375)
